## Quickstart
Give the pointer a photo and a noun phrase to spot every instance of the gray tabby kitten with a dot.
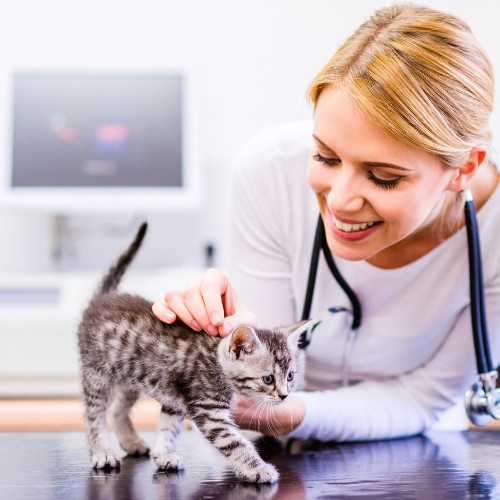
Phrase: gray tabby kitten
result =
(126, 351)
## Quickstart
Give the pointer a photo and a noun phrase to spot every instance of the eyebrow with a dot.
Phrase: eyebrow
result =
(378, 164)
(372, 164)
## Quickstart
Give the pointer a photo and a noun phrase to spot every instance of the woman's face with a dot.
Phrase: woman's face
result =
(375, 193)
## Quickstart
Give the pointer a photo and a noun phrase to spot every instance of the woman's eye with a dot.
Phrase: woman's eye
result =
(268, 379)
(383, 183)
(329, 162)
(290, 376)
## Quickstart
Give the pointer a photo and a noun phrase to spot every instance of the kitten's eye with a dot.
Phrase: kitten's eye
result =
(290, 376)
(268, 379)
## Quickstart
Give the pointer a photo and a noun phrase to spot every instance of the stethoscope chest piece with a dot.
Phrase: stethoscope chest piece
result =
(482, 400)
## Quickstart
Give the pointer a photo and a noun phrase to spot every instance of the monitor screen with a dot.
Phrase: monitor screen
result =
(79, 138)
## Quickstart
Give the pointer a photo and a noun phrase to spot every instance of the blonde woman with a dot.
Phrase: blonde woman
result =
(400, 130)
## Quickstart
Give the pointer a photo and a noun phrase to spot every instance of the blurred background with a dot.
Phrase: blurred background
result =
(243, 65)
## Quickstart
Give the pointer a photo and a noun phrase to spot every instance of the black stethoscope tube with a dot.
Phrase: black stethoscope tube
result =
(320, 243)
(478, 314)
(313, 270)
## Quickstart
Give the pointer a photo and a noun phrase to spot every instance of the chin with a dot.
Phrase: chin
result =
(352, 252)
(349, 253)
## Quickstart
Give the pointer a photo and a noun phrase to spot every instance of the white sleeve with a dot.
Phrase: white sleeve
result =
(405, 405)
(262, 224)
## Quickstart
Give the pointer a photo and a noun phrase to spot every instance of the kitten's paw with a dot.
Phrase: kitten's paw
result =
(136, 447)
(105, 460)
(264, 473)
(169, 461)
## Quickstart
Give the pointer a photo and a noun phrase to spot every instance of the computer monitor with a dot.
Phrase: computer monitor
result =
(99, 143)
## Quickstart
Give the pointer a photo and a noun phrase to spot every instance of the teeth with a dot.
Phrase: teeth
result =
(348, 228)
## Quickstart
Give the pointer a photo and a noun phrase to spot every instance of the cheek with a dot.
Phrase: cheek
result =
(404, 214)
(396, 209)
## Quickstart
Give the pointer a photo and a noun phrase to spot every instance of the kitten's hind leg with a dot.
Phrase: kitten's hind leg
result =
(122, 402)
(169, 426)
(96, 400)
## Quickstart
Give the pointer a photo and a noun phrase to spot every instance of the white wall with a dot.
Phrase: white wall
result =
(252, 61)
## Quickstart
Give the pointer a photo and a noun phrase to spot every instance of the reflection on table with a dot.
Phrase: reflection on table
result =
(441, 465)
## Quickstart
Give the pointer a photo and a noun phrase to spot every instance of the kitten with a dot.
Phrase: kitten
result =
(126, 351)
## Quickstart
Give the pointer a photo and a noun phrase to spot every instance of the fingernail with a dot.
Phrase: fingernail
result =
(168, 315)
(212, 330)
(195, 325)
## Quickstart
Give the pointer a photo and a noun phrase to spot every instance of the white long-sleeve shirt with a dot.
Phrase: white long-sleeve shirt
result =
(412, 358)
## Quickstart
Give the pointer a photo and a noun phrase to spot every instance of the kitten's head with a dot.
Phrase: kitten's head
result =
(261, 363)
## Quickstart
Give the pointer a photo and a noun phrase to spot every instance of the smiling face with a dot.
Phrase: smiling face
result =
(377, 195)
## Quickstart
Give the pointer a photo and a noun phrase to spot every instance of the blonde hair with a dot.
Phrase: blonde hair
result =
(419, 74)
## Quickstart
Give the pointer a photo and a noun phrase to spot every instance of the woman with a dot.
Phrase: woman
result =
(400, 131)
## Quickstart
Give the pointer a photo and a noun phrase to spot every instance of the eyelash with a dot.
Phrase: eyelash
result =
(382, 183)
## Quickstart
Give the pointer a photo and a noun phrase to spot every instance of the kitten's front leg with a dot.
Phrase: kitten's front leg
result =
(217, 426)
(169, 426)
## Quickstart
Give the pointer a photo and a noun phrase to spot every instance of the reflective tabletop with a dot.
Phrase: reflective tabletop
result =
(446, 465)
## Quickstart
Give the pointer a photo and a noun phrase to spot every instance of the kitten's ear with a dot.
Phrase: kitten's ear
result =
(294, 332)
(244, 340)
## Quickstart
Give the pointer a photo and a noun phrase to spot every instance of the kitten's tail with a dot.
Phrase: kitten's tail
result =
(115, 273)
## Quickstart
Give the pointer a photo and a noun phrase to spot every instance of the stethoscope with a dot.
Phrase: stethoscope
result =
(482, 400)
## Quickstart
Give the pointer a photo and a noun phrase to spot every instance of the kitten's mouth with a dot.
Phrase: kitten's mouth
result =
(272, 401)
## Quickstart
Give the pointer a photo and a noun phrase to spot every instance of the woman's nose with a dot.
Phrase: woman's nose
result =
(345, 193)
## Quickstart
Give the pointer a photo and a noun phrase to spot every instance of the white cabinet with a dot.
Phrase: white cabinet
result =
(39, 316)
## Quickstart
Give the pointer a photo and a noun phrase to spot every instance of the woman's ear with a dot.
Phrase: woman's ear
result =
(466, 172)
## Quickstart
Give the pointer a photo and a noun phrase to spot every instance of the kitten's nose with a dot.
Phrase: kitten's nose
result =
(283, 396)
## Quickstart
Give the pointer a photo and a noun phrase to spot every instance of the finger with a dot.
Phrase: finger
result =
(194, 303)
(241, 317)
(223, 306)
(163, 313)
(176, 302)
(213, 287)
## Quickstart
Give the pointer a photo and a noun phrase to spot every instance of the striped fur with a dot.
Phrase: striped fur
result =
(125, 351)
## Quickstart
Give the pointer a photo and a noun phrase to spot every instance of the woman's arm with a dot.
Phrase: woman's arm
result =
(382, 408)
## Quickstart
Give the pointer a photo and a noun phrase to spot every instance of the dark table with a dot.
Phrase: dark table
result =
(449, 465)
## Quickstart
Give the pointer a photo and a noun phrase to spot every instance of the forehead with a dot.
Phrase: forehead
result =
(278, 350)
(347, 132)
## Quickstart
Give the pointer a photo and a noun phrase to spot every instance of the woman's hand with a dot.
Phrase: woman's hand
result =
(277, 420)
(208, 303)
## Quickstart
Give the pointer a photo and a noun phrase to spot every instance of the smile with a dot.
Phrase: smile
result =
(350, 228)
